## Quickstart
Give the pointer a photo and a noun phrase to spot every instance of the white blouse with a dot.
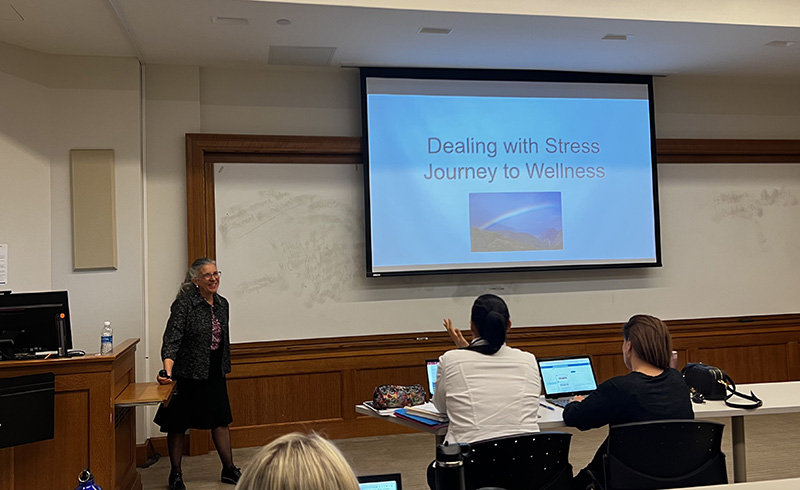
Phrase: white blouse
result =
(487, 396)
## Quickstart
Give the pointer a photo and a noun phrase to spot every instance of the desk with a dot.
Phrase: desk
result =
(548, 419)
(787, 484)
(778, 398)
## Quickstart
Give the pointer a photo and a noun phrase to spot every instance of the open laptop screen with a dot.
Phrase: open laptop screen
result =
(390, 481)
(567, 376)
(431, 367)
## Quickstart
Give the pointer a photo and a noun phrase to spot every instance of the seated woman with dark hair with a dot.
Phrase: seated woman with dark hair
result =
(651, 391)
(486, 388)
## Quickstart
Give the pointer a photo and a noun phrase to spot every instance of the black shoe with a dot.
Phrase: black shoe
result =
(231, 475)
(176, 481)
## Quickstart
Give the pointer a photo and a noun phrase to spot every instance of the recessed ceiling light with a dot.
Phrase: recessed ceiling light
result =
(781, 44)
(435, 30)
(283, 22)
(617, 37)
(234, 21)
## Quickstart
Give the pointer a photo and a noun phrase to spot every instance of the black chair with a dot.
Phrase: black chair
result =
(664, 454)
(535, 461)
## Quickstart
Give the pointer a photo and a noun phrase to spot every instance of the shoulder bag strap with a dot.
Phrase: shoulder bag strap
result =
(732, 392)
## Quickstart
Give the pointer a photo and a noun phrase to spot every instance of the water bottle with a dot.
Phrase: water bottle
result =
(106, 339)
(450, 466)
(86, 480)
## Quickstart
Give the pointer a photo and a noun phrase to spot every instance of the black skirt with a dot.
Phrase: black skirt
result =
(198, 403)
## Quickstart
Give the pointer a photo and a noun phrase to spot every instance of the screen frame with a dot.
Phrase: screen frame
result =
(366, 73)
(565, 394)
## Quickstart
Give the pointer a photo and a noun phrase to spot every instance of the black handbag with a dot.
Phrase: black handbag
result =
(712, 383)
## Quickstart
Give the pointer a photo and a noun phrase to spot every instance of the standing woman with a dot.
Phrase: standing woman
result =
(196, 352)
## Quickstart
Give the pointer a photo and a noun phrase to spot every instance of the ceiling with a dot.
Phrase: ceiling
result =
(237, 33)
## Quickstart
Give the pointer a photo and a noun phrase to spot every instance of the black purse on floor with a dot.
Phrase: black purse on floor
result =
(712, 383)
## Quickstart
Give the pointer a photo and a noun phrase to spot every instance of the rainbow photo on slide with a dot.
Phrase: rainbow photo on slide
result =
(514, 221)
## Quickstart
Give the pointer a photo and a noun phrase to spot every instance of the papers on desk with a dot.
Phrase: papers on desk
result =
(427, 410)
(429, 423)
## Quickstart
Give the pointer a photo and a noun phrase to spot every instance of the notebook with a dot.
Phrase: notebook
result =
(565, 377)
(431, 367)
(391, 481)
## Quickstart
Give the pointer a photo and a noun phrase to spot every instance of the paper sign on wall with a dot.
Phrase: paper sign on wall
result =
(3, 264)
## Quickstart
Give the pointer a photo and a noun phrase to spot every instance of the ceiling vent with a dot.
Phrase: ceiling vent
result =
(435, 30)
(9, 13)
(300, 55)
(229, 21)
(616, 37)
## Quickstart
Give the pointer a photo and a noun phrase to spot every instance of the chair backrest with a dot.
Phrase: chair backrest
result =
(534, 461)
(665, 454)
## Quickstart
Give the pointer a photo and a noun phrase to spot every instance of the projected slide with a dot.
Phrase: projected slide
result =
(508, 174)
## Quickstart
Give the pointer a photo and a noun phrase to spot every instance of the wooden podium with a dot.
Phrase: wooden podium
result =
(90, 429)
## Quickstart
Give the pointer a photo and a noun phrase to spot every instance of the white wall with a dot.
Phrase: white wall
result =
(727, 108)
(24, 173)
(50, 105)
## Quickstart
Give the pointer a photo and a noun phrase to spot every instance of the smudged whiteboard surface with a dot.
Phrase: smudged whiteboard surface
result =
(290, 240)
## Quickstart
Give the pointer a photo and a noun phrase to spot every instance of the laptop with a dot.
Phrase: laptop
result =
(431, 367)
(565, 377)
(391, 481)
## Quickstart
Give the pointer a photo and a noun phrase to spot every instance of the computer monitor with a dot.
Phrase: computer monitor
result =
(28, 322)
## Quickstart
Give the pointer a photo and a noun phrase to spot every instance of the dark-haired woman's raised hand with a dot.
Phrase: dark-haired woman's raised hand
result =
(455, 334)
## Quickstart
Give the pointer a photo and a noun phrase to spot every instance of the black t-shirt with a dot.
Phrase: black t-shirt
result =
(635, 397)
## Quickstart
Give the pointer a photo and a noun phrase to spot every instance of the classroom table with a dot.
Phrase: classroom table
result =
(782, 397)
(783, 484)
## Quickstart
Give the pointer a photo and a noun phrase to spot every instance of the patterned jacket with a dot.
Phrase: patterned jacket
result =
(187, 338)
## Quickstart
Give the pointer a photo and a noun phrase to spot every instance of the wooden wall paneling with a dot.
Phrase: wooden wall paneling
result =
(286, 398)
(7, 461)
(793, 364)
(101, 406)
(352, 366)
(125, 442)
(367, 379)
(727, 151)
(683, 355)
(199, 442)
(68, 450)
(266, 376)
(349, 393)
(750, 364)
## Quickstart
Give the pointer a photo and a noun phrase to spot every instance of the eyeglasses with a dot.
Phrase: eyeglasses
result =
(209, 275)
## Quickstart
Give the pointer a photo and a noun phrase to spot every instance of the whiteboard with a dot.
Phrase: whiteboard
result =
(290, 243)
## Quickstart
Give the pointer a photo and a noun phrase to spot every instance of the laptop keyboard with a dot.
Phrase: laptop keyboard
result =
(561, 402)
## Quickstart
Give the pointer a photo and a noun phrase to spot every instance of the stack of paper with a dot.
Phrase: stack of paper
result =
(428, 411)
(430, 423)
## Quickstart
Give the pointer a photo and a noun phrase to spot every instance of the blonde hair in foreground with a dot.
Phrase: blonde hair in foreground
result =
(298, 461)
